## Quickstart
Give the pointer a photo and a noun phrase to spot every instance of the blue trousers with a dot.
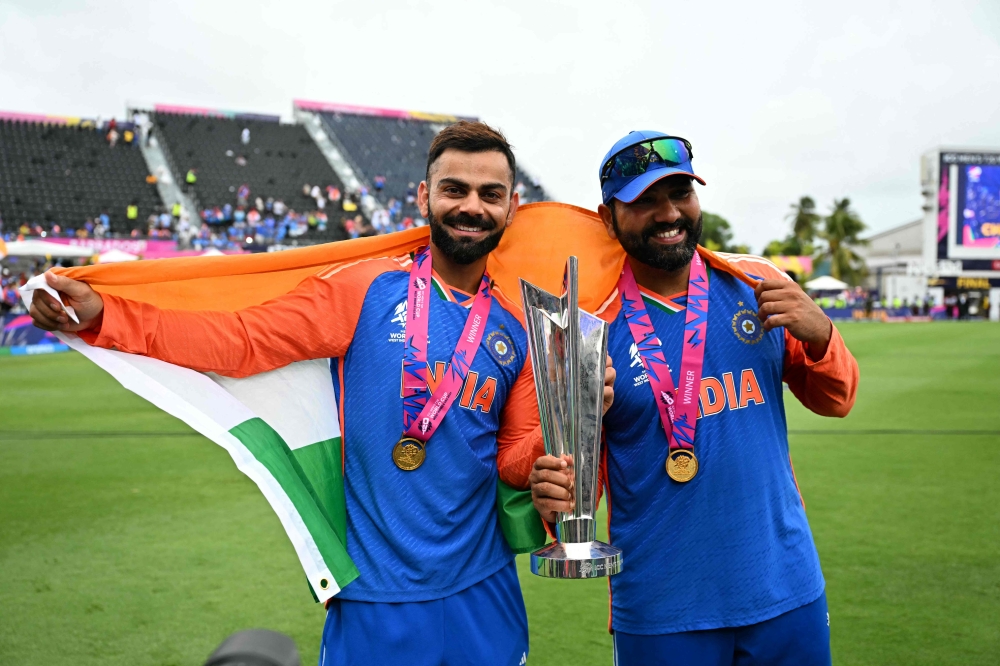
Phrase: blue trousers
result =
(800, 637)
(482, 625)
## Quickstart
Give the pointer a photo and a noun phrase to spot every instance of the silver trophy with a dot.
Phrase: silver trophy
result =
(569, 351)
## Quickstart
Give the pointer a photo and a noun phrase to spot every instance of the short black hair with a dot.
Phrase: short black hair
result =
(471, 137)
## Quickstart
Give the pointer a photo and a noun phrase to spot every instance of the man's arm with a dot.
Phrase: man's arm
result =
(314, 320)
(519, 440)
(819, 369)
(826, 385)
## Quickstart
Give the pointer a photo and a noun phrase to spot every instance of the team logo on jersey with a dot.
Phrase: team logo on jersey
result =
(398, 317)
(747, 327)
(501, 347)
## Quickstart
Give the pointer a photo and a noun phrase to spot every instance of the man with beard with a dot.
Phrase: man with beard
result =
(720, 566)
(430, 366)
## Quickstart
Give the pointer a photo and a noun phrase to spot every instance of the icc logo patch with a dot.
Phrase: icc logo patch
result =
(747, 327)
(501, 347)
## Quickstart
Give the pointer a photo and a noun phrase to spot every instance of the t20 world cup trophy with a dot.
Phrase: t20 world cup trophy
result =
(569, 352)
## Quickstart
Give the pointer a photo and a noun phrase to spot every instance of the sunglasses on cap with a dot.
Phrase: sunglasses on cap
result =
(637, 159)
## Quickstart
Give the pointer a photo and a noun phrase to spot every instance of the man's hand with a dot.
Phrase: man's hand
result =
(609, 386)
(552, 486)
(783, 303)
(48, 314)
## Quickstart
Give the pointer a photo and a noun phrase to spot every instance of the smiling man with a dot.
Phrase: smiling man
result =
(430, 364)
(720, 567)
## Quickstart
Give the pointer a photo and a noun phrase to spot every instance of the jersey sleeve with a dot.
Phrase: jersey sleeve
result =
(315, 320)
(827, 386)
(519, 440)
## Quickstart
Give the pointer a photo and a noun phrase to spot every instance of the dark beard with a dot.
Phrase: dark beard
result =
(464, 250)
(670, 258)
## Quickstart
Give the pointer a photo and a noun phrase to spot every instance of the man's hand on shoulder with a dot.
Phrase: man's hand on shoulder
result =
(784, 303)
(48, 314)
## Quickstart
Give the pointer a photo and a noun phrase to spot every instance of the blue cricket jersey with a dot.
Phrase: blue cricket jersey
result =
(429, 533)
(732, 546)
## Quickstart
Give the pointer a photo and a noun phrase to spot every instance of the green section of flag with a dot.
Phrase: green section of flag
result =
(520, 523)
(270, 450)
(323, 465)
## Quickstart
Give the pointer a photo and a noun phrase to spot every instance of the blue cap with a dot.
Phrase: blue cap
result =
(628, 188)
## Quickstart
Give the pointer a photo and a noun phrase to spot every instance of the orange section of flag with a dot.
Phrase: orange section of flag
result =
(535, 247)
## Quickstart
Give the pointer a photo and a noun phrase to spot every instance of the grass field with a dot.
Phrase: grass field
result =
(127, 539)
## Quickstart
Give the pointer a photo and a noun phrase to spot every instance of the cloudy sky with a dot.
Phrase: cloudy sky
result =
(830, 99)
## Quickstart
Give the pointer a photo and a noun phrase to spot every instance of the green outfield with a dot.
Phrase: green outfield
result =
(127, 539)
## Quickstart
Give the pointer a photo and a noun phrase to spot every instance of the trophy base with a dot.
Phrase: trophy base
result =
(594, 559)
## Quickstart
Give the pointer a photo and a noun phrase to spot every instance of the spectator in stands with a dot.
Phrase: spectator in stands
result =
(245, 136)
(243, 194)
(520, 188)
(175, 211)
(350, 228)
(132, 212)
(333, 193)
(100, 231)
(280, 208)
(128, 136)
(411, 194)
(241, 161)
(191, 178)
(112, 137)
(349, 206)
(150, 179)
(259, 204)
(9, 297)
(380, 221)
(306, 190)
(379, 183)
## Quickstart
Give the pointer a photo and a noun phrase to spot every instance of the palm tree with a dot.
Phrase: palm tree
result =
(840, 231)
(804, 220)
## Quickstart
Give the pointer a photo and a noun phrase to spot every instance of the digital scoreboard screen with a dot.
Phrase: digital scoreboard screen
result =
(969, 208)
(979, 204)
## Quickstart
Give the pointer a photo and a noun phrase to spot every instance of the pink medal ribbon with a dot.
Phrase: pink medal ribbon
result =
(678, 413)
(423, 413)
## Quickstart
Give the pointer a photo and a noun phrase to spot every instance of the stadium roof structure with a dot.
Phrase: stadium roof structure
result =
(353, 109)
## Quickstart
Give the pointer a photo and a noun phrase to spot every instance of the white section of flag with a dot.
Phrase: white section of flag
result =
(213, 410)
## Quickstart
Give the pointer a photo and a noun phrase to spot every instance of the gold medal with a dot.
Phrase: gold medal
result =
(409, 454)
(682, 465)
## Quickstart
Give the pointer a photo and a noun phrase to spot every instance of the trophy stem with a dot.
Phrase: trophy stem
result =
(576, 530)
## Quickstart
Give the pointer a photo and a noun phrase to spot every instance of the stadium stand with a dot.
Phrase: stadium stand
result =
(394, 148)
(60, 172)
(276, 162)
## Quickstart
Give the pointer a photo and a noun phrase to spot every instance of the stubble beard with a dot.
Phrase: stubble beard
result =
(670, 258)
(463, 250)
